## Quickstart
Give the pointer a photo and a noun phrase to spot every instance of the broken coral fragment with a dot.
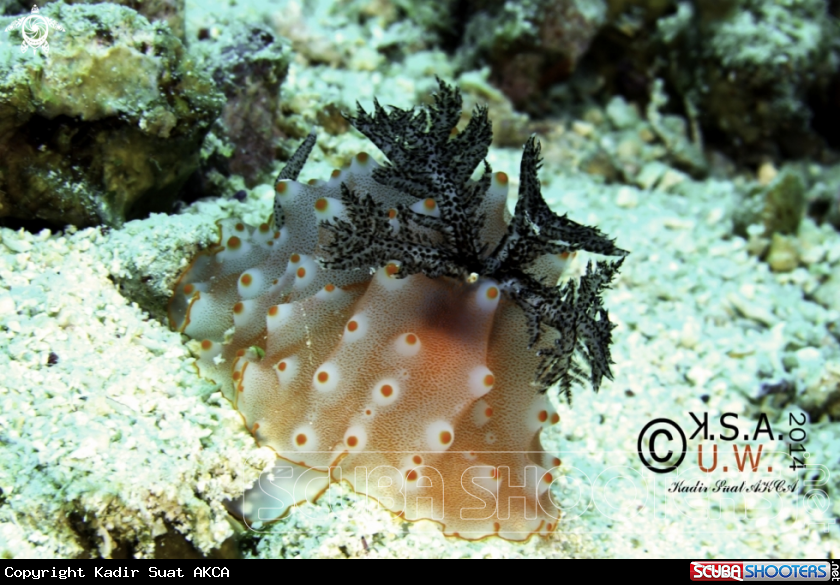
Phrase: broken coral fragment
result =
(395, 329)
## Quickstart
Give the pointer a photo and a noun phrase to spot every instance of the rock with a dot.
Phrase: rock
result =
(779, 206)
(828, 294)
(169, 11)
(784, 203)
(821, 381)
(108, 127)
(752, 310)
(623, 116)
(248, 62)
(11, 7)
(753, 69)
(531, 45)
(627, 197)
(783, 255)
(758, 78)
(766, 173)
(650, 174)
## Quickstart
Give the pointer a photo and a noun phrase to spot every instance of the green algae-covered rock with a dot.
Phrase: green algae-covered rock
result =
(169, 11)
(106, 126)
(779, 206)
(752, 67)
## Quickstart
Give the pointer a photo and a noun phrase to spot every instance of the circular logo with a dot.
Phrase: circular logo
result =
(35, 29)
(660, 433)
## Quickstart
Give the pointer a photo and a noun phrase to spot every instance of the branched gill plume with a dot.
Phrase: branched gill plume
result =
(429, 161)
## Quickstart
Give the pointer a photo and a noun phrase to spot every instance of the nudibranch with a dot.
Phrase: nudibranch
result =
(396, 328)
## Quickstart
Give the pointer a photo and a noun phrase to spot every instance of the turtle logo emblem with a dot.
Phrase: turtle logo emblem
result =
(35, 29)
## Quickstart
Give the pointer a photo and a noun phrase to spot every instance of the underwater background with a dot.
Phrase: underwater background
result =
(701, 135)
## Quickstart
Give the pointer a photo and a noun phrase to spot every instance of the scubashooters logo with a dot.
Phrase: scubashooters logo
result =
(761, 570)
(35, 28)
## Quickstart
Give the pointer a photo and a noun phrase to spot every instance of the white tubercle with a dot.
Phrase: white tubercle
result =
(439, 435)
(407, 344)
(326, 377)
(481, 381)
(386, 392)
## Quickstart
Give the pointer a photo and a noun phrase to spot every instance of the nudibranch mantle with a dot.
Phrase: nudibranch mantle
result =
(394, 327)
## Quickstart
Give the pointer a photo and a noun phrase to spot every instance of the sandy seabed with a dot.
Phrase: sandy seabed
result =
(108, 431)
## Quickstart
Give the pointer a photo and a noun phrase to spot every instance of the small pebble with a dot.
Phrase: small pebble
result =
(766, 173)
